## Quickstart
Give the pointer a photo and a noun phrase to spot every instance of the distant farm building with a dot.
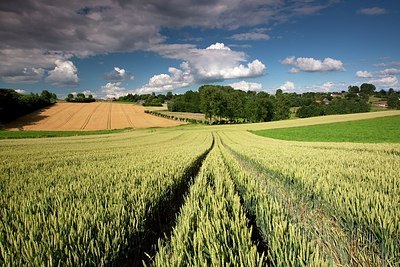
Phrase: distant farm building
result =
(336, 95)
(382, 104)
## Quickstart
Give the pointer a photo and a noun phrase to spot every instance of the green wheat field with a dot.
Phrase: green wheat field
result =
(327, 195)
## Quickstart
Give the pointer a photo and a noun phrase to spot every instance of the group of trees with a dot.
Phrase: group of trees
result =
(187, 102)
(364, 91)
(393, 99)
(147, 99)
(226, 103)
(355, 100)
(154, 101)
(80, 98)
(336, 106)
(14, 104)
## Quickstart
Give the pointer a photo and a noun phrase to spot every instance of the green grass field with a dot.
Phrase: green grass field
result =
(42, 134)
(378, 130)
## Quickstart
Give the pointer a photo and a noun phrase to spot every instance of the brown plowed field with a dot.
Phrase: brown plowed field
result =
(89, 116)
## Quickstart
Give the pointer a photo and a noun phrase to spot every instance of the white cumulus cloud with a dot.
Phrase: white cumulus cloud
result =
(385, 82)
(218, 46)
(113, 90)
(303, 64)
(246, 86)
(287, 86)
(167, 82)
(324, 87)
(385, 78)
(363, 74)
(64, 74)
(212, 64)
(253, 69)
(391, 71)
(381, 73)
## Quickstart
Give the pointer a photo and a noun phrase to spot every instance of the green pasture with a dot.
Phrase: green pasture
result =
(377, 130)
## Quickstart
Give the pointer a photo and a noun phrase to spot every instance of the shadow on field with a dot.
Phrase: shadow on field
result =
(161, 221)
(28, 119)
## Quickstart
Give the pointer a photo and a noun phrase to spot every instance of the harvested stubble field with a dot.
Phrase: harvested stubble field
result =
(89, 117)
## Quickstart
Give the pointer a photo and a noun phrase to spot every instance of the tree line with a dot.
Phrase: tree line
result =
(223, 103)
(147, 99)
(226, 103)
(355, 100)
(393, 99)
(80, 98)
(14, 104)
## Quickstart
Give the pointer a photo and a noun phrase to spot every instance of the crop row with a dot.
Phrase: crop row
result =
(212, 228)
(283, 240)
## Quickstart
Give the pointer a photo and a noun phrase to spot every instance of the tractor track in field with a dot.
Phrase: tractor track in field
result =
(55, 113)
(109, 117)
(256, 234)
(161, 224)
(85, 123)
(69, 118)
(127, 117)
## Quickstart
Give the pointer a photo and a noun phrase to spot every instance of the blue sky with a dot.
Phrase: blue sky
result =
(111, 48)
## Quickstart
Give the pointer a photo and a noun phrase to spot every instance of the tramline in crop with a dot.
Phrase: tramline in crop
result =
(212, 228)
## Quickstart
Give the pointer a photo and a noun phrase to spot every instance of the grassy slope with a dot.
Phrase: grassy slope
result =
(377, 130)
